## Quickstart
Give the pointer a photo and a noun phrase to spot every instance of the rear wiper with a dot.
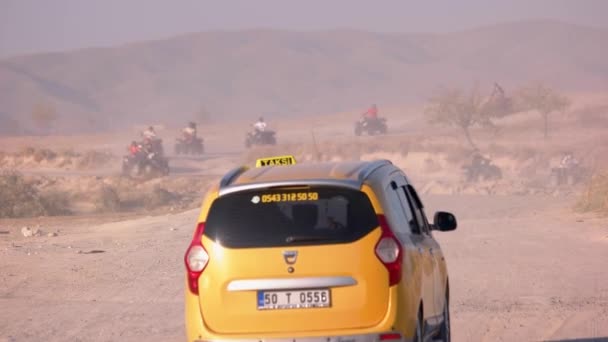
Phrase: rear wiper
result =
(305, 238)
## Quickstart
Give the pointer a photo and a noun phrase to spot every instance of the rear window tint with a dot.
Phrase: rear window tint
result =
(290, 217)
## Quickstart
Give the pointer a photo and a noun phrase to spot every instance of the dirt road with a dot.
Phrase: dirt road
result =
(522, 269)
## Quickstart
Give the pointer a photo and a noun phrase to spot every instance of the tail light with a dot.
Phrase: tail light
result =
(390, 252)
(390, 337)
(196, 258)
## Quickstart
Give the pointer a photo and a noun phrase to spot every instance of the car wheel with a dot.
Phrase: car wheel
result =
(445, 332)
(418, 334)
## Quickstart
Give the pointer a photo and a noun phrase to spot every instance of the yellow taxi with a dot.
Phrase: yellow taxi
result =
(316, 252)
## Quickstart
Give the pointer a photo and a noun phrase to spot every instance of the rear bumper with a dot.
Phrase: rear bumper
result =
(386, 330)
(352, 338)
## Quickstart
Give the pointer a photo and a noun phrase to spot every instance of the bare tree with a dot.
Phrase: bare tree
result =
(44, 115)
(454, 107)
(544, 100)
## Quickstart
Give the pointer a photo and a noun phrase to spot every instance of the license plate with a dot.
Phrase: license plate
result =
(294, 299)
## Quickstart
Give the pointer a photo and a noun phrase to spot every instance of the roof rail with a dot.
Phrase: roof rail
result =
(371, 167)
(232, 175)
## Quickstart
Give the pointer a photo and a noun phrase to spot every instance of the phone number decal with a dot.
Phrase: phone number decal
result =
(290, 197)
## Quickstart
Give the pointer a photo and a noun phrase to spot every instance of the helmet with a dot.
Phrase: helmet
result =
(191, 124)
(261, 119)
(151, 128)
(133, 143)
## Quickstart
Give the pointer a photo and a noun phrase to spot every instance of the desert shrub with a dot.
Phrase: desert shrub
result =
(459, 154)
(69, 153)
(44, 154)
(27, 151)
(38, 154)
(92, 159)
(592, 116)
(595, 196)
(20, 198)
(107, 200)
(158, 197)
(55, 203)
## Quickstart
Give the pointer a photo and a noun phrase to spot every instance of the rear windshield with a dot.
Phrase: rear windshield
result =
(289, 217)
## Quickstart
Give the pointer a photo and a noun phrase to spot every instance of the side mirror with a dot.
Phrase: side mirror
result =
(444, 222)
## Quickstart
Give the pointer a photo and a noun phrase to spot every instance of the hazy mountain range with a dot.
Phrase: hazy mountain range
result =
(247, 73)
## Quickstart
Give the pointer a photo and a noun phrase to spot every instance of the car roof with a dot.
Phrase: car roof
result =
(348, 173)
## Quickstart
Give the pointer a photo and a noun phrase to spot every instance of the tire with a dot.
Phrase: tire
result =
(445, 332)
(382, 129)
(493, 173)
(199, 149)
(148, 170)
(125, 168)
(419, 332)
(358, 129)
(247, 143)
(470, 174)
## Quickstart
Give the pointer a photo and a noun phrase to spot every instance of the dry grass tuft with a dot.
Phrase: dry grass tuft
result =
(595, 196)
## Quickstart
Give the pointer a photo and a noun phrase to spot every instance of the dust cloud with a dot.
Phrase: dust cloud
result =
(506, 131)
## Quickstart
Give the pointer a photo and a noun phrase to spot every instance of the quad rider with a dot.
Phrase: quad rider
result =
(259, 126)
(370, 115)
(135, 152)
(260, 135)
(151, 141)
(189, 132)
(134, 158)
(567, 169)
(149, 134)
(481, 168)
(134, 149)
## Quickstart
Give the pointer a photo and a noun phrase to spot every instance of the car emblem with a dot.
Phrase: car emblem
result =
(290, 257)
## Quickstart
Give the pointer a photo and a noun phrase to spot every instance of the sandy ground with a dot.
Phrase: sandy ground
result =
(523, 269)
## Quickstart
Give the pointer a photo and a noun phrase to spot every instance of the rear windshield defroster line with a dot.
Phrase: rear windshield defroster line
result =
(290, 217)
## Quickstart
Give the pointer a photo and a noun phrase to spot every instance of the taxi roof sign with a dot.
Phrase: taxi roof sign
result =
(275, 161)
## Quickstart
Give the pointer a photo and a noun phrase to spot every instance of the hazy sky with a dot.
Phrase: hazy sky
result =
(28, 26)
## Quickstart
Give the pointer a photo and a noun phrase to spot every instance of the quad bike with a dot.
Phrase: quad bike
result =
(155, 145)
(573, 175)
(156, 164)
(371, 127)
(260, 138)
(193, 145)
(483, 170)
(146, 162)
(148, 165)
